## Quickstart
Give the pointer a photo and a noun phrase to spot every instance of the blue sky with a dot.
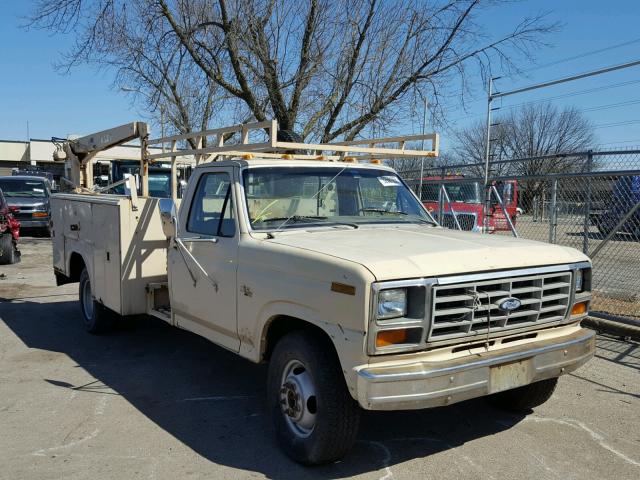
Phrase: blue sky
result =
(85, 101)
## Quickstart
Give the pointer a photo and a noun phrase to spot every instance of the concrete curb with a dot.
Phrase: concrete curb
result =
(612, 327)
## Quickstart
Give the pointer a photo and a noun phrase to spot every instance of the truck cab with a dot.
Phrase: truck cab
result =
(466, 200)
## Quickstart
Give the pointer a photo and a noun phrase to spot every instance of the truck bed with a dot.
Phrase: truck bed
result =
(120, 241)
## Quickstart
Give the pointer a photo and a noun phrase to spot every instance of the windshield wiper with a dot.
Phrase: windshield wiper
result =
(308, 218)
(294, 218)
(391, 212)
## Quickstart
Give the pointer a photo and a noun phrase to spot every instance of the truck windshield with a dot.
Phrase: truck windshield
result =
(290, 197)
(458, 192)
(17, 187)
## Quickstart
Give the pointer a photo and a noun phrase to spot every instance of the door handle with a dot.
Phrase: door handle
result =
(184, 253)
(199, 239)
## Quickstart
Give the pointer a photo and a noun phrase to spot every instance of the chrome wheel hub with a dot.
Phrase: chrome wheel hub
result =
(298, 398)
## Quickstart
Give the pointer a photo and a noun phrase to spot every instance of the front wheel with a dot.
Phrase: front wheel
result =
(315, 418)
(523, 399)
(8, 254)
(97, 318)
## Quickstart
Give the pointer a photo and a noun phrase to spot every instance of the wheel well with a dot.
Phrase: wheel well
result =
(281, 325)
(76, 265)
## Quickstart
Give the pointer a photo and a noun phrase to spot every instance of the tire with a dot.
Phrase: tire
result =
(526, 398)
(7, 250)
(97, 318)
(323, 428)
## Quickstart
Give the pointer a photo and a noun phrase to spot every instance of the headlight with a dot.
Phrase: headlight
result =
(579, 280)
(583, 280)
(392, 303)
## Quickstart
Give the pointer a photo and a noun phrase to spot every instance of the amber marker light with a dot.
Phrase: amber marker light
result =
(40, 214)
(579, 308)
(391, 337)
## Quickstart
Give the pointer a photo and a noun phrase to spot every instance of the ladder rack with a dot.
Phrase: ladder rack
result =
(218, 139)
(210, 145)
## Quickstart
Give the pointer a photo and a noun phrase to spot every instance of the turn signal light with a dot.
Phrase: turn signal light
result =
(39, 214)
(391, 337)
(579, 308)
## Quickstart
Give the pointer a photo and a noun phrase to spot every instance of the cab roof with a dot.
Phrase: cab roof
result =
(275, 162)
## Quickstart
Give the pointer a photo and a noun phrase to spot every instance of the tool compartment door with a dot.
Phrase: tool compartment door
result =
(106, 255)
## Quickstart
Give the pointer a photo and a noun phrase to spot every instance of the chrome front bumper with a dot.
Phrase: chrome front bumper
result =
(38, 223)
(421, 384)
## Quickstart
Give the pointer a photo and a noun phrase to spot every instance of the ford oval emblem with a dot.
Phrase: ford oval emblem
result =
(509, 304)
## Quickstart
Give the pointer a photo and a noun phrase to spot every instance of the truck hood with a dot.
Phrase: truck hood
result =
(411, 251)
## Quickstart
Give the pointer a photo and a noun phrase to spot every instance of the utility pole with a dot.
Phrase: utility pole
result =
(424, 129)
(487, 160)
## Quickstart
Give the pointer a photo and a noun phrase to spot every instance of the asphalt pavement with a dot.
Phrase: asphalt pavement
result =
(152, 402)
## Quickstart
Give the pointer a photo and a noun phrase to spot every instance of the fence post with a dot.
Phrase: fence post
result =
(587, 206)
(553, 211)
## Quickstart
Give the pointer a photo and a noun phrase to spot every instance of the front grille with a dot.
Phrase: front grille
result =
(466, 220)
(468, 309)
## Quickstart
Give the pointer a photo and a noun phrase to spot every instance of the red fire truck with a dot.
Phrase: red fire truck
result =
(467, 202)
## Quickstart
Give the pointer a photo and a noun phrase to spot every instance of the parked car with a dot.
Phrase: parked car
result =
(9, 234)
(30, 197)
(624, 196)
(30, 172)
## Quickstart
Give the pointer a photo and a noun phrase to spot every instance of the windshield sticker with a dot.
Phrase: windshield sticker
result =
(389, 181)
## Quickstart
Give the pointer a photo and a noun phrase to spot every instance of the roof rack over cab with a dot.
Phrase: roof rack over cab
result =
(256, 140)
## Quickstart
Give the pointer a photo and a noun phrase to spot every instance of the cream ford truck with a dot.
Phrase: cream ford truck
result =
(334, 273)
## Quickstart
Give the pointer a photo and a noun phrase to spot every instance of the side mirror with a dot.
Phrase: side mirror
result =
(168, 216)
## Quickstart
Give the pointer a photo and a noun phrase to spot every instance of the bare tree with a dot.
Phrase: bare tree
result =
(326, 68)
(471, 145)
(543, 134)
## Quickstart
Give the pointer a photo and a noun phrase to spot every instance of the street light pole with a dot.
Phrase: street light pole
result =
(487, 160)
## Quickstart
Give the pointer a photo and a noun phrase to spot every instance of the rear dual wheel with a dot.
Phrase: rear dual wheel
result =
(97, 318)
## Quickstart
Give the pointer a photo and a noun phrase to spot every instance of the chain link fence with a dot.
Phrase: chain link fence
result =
(589, 201)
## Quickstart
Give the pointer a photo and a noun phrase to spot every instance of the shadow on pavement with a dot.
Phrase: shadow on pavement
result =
(211, 400)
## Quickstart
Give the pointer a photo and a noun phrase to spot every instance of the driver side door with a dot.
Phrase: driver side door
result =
(203, 263)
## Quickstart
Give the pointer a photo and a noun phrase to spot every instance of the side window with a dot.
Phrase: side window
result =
(211, 211)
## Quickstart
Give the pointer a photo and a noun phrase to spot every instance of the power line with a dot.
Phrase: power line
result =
(617, 124)
(637, 140)
(580, 55)
(610, 105)
(568, 59)
(558, 81)
(566, 95)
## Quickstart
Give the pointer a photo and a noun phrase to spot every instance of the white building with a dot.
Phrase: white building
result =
(38, 154)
